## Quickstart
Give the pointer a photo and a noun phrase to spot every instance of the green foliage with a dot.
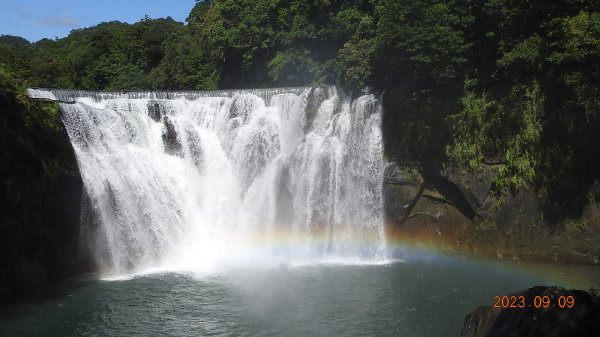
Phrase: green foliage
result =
(423, 40)
(27, 131)
(111, 55)
(573, 225)
(287, 42)
(581, 33)
(471, 127)
(292, 67)
(524, 55)
(355, 63)
(504, 133)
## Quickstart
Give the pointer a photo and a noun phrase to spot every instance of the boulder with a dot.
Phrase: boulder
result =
(171, 139)
(582, 319)
(155, 111)
(315, 98)
(399, 192)
(475, 186)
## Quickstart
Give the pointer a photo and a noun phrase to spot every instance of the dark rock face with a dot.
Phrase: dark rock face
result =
(195, 149)
(40, 198)
(40, 226)
(171, 139)
(316, 96)
(421, 210)
(583, 319)
(399, 192)
(454, 210)
(155, 111)
(474, 187)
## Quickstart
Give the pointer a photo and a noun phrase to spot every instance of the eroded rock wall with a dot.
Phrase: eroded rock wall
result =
(40, 198)
(454, 210)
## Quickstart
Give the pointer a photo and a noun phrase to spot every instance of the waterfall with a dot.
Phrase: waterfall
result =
(190, 179)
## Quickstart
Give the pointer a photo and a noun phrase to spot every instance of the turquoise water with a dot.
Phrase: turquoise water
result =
(421, 296)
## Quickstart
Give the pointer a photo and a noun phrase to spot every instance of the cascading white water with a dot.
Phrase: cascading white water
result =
(196, 179)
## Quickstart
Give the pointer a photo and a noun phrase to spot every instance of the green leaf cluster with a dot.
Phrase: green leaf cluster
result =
(28, 132)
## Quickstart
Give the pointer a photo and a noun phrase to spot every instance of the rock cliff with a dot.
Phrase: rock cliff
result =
(455, 211)
(41, 195)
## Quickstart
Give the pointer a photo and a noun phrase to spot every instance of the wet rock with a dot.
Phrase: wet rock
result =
(39, 221)
(475, 321)
(243, 106)
(474, 186)
(583, 319)
(171, 139)
(520, 213)
(399, 191)
(195, 148)
(261, 146)
(155, 111)
(393, 174)
(432, 218)
(314, 100)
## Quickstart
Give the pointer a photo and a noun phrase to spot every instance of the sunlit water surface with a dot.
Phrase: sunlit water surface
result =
(419, 296)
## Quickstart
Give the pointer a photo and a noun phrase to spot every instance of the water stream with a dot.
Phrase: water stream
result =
(198, 180)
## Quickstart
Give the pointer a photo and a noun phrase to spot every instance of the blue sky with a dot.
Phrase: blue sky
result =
(37, 19)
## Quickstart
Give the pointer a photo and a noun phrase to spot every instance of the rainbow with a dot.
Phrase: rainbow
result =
(566, 275)
(279, 245)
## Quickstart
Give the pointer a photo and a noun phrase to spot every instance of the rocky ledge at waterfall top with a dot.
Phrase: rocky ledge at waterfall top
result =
(455, 211)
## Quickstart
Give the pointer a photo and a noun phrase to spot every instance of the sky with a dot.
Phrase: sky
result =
(38, 19)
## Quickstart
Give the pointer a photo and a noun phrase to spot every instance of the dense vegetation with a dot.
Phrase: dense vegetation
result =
(28, 131)
(509, 84)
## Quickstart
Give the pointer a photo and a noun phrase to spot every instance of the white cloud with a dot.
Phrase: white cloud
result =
(22, 12)
(57, 21)
(53, 20)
